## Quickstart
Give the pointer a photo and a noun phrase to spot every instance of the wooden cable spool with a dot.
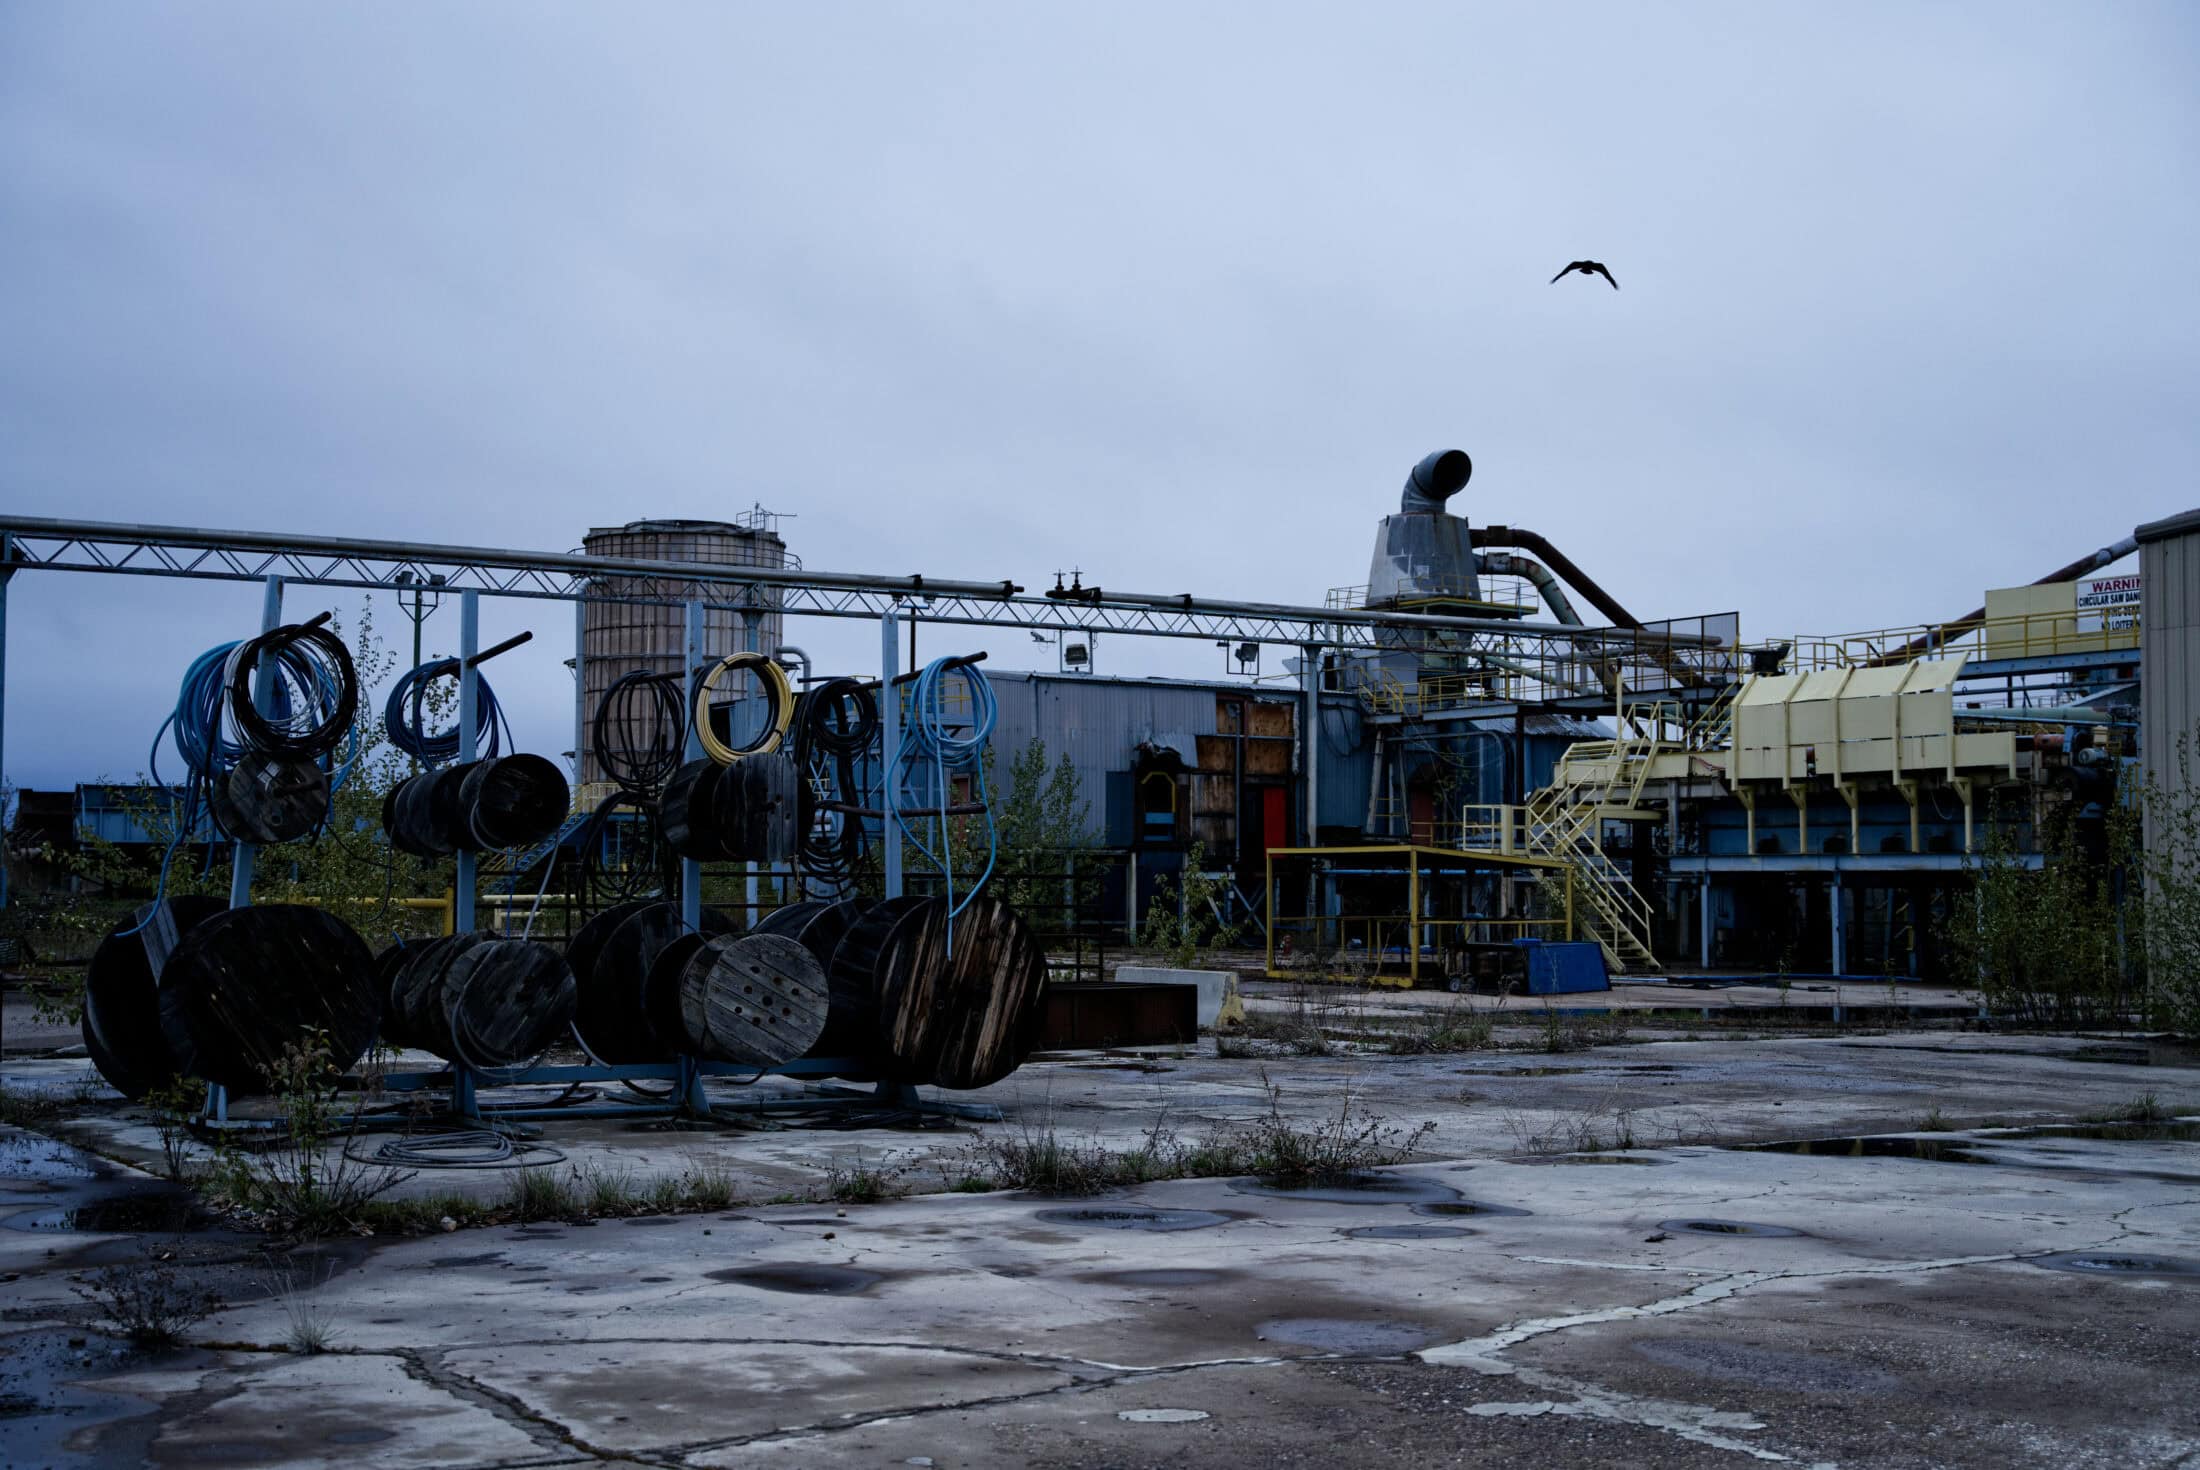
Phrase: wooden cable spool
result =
(789, 918)
(853, 981)
(271, 798)
(416, 1005)
(422, 815)
(757, 1000)
(247, 984)
(965, 1018)
(854, 1009)
(611, 1020)
(661, 994)
(505, 1002)
(387, 966)
(685, 812)
(770, 822)
(121, 1023)
(513, 801)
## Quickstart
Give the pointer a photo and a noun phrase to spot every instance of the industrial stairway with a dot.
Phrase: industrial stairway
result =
(1596, 780)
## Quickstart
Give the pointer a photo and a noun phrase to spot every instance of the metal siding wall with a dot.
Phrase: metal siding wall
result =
(2169, 650)
(1097, 724)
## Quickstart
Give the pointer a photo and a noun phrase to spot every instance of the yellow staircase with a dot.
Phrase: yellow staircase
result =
(1597, 780)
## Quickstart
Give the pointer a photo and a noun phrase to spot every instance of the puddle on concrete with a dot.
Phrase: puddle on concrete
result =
(1750, 1228)
(803, 1280)
(2177, 1131)
(651, 1220)
(1781, 1371)
(1885, 1147)
(1593, 1159)
(361, 1436)
(1132, 1217)
(1408, 1232)
(2119, 1263)
(1522, 1071)
(1119, 1067)
(35, 1158)
(1359, 1189)
(652, 1280)
(1468, 1207)
(481, 1258)
(1164, 1278)
(1358, 1336)
(155, 1210)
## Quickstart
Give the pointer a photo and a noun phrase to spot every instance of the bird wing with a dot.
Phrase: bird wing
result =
(1576, 265)
(1600, 270)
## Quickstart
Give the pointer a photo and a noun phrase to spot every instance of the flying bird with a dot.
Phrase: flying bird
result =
(1587, 268)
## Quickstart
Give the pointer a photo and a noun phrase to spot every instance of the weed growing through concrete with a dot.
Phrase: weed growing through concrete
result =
(151, 1304)
(540, 1194)
(31, 1109)
(174, 1106)
(859, 1183)
(2147, 1107)
(1443, 1031)
(297, 1185)
(1933, 1120)
(424, 1214)
(1283, 1151)
(311, 1318)
(705, 1185)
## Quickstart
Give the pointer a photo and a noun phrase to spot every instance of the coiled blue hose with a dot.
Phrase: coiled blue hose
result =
(403, 721)
(931, 753)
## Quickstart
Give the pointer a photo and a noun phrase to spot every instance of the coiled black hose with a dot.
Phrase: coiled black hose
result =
(640, 731)
(651, 871)
(319, 715)
(403, 720)
(834, 724)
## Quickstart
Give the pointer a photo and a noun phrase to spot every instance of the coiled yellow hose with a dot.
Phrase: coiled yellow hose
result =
(777, 691)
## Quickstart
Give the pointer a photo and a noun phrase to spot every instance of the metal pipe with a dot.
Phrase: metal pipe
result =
(1576, 578)
(788, 653)
(1505, 564)
(1435, 480)
(469, 710)
(1957, 627)
(263, 698)
(691, 871)
(889, 750)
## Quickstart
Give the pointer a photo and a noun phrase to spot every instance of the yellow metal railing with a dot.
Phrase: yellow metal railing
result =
(2024, 635)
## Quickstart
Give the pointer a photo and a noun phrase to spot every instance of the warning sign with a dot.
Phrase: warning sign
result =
(2109, 603)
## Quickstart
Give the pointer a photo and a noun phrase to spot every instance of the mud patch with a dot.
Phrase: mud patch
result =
(1359, 1189)
(1783, 1372)
(1131, 1217)
(1357, 1337)
(2120, 1263)
(1750, 1228)
(1163, 1278)
(141, 1211)
(801, 1280)
(1451, 1207)
(1408, 1232)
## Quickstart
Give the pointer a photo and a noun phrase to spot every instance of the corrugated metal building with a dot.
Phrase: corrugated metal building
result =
(2169, 641)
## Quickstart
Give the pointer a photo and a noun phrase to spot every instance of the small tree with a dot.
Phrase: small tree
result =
(1187, 917)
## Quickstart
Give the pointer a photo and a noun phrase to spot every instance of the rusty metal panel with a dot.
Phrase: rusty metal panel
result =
(1218, 753)
(1119, 1013)
(1269, 757)
(1272, 717)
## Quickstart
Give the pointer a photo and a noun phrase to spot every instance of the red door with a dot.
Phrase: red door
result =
(1275, 821)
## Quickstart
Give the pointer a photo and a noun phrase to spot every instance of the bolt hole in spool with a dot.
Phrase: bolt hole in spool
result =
(716, 1024)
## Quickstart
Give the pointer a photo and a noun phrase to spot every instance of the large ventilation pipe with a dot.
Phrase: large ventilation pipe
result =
(1504, 564)
(1957, 627)
(1435, 480)
(1603, 601)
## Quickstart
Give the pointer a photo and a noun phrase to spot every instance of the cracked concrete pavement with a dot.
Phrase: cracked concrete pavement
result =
(1900, 1312)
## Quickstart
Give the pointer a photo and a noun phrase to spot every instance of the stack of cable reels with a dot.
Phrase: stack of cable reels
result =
(612, 957)
(479, 1000)
(963, 1015)
(507, 801)
(121, 1022)
(852, 1010)
(246, 986)
(757, 1000)
(749, 811)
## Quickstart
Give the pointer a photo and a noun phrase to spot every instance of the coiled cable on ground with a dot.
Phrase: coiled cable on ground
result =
(404, 716)
(461, 1148)
(779, 707)
(931, 754)
(639, 731)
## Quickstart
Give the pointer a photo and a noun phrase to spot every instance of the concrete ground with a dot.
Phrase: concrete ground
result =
(1527, 1287)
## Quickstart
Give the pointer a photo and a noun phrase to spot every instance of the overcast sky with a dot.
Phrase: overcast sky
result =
(1174, 293)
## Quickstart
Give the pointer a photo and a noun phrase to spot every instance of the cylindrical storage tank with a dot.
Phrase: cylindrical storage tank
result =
(965, 1015)
(248, 984)
(619, 638)
(121, 1025)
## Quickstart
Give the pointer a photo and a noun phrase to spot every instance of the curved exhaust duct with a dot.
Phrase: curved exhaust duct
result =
(1603, 601)
(1505, 564)
(1422, 553)
(1435, 480)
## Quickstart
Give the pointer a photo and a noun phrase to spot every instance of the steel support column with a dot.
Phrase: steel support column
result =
(263, 698)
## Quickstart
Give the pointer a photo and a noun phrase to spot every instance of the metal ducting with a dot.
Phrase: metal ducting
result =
(1422, 553)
